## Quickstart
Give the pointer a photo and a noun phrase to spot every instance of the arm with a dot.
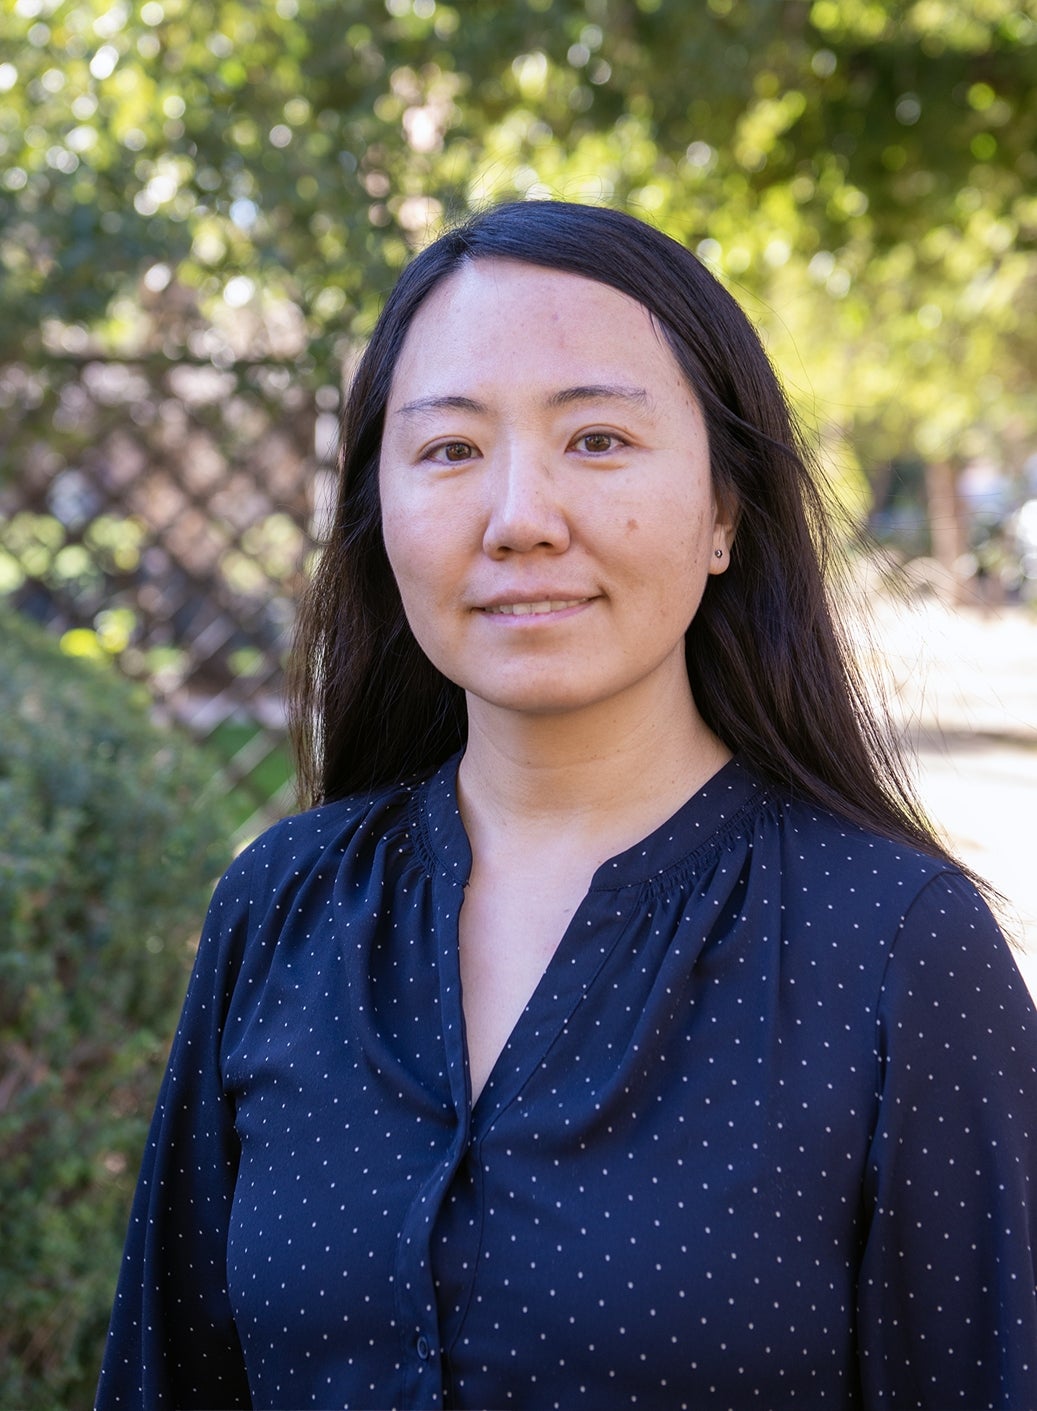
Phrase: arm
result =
(947, 1307)
(172, 1341)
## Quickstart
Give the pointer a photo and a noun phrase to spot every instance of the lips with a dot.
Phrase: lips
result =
(544, 605)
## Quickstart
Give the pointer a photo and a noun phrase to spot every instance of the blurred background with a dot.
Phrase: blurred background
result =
(202, 205)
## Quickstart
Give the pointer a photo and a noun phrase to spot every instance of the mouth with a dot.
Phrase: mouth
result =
(542, 607)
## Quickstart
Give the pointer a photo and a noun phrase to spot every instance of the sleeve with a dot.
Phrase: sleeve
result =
(172, 1340)
(947, 1295)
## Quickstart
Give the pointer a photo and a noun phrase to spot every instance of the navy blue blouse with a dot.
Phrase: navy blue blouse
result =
(763, 1137)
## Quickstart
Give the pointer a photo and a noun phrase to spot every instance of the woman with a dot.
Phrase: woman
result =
(718, 1089)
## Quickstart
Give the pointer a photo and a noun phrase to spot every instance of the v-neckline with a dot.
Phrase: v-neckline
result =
(566, 979)
(576, 961)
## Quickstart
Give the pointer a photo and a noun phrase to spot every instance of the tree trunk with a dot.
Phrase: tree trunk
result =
(948, 525)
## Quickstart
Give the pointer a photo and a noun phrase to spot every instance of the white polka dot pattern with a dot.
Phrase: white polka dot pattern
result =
(764, 1135)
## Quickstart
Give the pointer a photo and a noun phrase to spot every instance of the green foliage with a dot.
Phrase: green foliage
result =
(108, 845)
(260, 772)
(215, 179)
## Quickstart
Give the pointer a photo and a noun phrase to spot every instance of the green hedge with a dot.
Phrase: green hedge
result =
(109, 842)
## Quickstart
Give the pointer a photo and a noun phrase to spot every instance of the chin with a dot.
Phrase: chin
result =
(539, 700)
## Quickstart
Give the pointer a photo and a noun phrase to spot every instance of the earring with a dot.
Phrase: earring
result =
(718, 553)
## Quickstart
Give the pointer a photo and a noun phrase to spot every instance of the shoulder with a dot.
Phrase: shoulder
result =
(949, 952)
(908, 935)
(844, 885)
(296, 845)
(317, 848)
(825, 837)
(304, 874)
(834, 864)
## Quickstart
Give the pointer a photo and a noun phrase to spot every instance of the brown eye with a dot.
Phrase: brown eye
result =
(455, 451)
(597, 442)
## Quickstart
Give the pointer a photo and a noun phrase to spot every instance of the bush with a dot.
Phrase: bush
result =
(108, 846)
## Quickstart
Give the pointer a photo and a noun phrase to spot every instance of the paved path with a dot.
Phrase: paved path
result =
(962, 685)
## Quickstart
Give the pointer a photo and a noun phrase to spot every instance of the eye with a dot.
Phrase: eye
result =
(451, 452)
(598, 443)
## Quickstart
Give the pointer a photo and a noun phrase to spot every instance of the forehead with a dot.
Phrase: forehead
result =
(503, 318)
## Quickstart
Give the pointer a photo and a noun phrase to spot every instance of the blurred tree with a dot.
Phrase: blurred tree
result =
(225, 181)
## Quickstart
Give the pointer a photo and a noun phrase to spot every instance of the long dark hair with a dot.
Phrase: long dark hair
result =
(768, 671)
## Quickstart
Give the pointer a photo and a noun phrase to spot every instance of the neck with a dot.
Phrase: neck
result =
(592, 781)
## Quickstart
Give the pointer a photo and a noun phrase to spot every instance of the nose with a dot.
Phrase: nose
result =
(525, 508)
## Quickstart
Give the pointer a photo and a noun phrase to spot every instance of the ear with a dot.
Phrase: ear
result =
(725, 523)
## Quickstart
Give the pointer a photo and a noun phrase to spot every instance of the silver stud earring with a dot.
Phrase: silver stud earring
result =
(718, 553)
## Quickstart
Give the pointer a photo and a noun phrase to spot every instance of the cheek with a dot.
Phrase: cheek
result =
(675, 532)
(394, 528)
(404, 530)
(427, 561)
(671, 556)
(405, 561)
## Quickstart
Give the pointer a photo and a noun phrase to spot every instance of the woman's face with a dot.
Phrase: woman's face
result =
(546, 496)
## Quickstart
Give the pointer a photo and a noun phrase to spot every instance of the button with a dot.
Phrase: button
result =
(424, 1348)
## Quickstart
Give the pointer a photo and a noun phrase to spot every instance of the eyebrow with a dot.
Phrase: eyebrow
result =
(600, 392)
(435, 404)
(567, 396)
